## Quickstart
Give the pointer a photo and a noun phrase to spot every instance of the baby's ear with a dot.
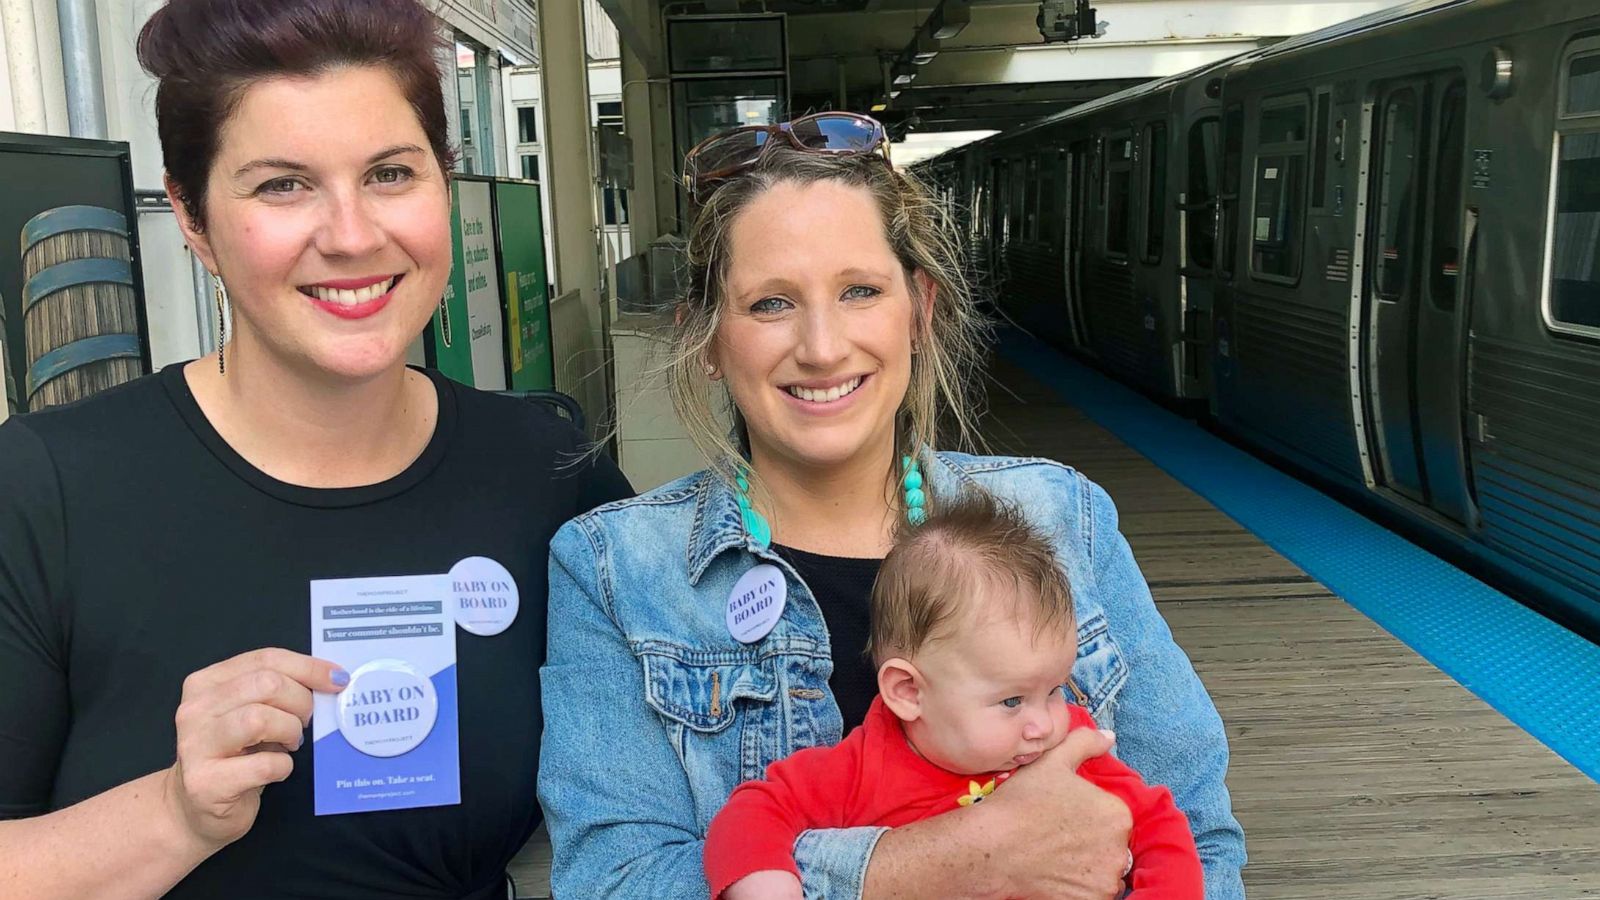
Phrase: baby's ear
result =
(900, 685)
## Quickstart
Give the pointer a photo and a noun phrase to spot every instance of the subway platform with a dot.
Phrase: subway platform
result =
(1398, 729)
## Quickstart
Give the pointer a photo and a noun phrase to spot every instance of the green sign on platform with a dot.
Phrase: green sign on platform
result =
(527, 301)
(492, 327)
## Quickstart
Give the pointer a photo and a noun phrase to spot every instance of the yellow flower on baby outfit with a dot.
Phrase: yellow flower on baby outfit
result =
(976, 792)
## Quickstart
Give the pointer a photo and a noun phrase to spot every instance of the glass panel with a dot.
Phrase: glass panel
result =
(615, 213)
(1233, 150)
(1278, 215)
(1203, 152)
(1017, 209)
(1575, 268)
(1030, 223)
(473, 78)
(1583, 86)
(1049, 198)
(726, 45)
(1002, 200)
(1319, 153)
(527, 126)
(1118, 185)
(708, 107)
(1396, 193)
(1155, 222)
(1445, 252)
(1284, 124)
(608, 109)
(1232, 178)
(530, 166)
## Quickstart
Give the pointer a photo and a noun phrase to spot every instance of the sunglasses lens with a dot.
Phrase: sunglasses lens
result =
(728, 151)
(837, 134)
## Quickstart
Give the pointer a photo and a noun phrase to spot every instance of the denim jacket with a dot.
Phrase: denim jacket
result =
(654, 713)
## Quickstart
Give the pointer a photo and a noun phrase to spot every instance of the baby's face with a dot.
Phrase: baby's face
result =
(992, 697)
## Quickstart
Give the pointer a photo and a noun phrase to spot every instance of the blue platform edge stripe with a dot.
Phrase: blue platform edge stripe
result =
(1536, 673)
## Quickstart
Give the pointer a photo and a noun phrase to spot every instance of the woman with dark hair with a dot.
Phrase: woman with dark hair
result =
(157, 542)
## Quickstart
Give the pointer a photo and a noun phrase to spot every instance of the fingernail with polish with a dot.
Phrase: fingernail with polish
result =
(340, 677)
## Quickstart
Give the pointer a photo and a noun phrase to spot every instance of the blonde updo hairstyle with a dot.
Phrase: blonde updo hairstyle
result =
(941, 398)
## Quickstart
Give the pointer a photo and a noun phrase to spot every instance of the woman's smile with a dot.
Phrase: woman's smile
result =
(826, 396)
(353, 298)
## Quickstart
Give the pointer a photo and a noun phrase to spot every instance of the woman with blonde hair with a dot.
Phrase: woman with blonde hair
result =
(716, 624)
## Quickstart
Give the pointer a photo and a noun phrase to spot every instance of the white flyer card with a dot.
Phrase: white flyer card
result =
(389, 740)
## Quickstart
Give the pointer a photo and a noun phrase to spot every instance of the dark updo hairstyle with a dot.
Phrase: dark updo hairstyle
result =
(206, 53)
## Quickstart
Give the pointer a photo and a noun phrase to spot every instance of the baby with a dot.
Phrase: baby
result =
(974, 637)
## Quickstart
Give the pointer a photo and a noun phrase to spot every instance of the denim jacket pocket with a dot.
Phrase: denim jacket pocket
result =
(1100, 670)
(700, 688)
(701, 694)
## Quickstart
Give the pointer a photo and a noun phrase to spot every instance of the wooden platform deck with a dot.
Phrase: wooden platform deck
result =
(1360, 772)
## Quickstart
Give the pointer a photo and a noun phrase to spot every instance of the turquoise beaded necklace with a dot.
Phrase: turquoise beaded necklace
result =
(755, 524)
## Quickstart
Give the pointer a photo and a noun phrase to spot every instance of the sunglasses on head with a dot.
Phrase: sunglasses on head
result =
(722, 156)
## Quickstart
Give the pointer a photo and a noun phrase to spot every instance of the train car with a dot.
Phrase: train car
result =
(1372, 252)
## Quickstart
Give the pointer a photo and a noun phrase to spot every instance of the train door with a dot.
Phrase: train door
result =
(1075, 200)
(1197, 207)
(1415, 340)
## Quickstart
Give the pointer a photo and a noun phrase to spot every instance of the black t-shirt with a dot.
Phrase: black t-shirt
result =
(136, 547)
(843, 588)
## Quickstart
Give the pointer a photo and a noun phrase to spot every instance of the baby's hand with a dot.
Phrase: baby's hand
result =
(768, 884)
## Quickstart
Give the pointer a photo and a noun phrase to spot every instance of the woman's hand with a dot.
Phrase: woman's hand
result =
(237, 723)
(1054, 833)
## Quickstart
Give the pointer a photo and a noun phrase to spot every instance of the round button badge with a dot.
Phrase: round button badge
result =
(485, 595)
(756, 603)
(388, 708)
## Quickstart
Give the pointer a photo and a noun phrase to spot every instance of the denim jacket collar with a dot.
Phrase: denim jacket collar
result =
(718, 526)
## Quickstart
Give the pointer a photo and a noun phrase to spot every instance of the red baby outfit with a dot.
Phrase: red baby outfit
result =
(873, 777)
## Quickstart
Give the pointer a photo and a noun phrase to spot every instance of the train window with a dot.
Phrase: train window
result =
(1397, 191)
(1279, 205)
(1575, 257)
(1119, 194)
(1232, 176)
(1049, 201)
(1444, 256)
(1572, 299)
(1002, 201)
(1155, 181)
(1019, 194)
(1319, 152)
(1283, 124)
(1030, 201)
(1201, 239)
(1583, 86)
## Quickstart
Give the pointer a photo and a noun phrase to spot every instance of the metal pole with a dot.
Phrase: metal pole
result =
(80, 64)
(22, 58)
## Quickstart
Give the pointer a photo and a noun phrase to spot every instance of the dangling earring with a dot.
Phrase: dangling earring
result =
(221, 293)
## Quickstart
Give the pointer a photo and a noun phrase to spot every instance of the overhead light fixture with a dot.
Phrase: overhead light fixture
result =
(903, 73)
(950, 18)
(880, 106)
(923, 48)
